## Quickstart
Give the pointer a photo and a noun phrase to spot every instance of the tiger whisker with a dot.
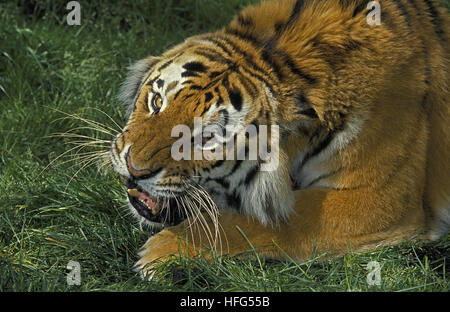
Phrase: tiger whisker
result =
(90, 126)
(101, 130)
(202, 222)
(107, 115)
(187, 216)
(86, 164)
(214, 215)
(59, 156)
(190, 222)
(84, 157)
(82, 161)
(211, 210)
(71, 134)
(88, 121)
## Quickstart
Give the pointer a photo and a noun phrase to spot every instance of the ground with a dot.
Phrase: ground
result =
(51, 212)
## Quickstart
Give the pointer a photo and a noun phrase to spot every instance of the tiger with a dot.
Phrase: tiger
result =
(362, 110)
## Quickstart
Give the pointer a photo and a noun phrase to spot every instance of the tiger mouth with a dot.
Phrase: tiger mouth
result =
(164, 210)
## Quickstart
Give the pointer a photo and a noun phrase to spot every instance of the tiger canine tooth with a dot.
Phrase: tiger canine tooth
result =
(133, 192)
(155, 209)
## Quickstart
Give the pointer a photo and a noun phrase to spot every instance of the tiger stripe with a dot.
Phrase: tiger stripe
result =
(358, 110)
(435, 18)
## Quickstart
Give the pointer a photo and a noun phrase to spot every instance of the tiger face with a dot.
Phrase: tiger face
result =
(199, 79)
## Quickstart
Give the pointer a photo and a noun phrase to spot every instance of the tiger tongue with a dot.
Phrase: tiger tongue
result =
(146, 198)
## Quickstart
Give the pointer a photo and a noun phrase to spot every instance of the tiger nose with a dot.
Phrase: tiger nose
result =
(137, 174)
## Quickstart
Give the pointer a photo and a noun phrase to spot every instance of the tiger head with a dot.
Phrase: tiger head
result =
(214, 80)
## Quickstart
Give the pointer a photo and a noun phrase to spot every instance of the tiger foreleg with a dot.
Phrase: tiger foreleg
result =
(322, 221)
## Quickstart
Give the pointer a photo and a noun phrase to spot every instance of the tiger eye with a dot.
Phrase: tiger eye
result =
(156, 103)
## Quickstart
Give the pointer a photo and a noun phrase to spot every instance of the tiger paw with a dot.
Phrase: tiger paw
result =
(158, 249)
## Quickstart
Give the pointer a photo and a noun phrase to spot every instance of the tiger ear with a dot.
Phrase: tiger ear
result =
(136, 75)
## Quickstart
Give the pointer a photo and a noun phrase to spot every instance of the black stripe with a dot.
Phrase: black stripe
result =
(243, 36)
(414, 4)
(213, 56)
(160, 83)
(148, 176)
(208, 97)
(279, 27)
(226, 82)
(236, 166)
(187, 82)
(435, 19)
(226, 116)
(259, 77)
(165, 65)
(189, 73)
(195, 67)
(301, 102)
(225, 184)
(360, 7)
(219, 101)
(270, 53)
(335, 55)
(323, 176)
(217, 164)
(219, 44)
(235, 99)
(319, 148)
(205, 109)
(267, 56)
(296, 70)
(151, 82)
(234, 200)
(427, 73)
(295, 14)
(268, 207)
(214, 74)
(157, 151)
(425, 99)
(248, 58)
(255, 75)
(195, 87)
(310, 112)
(245, 21)
(252, 174)
(352, 45)
(178, 93)
(213, 82)
(404, 11)
(188, 96)
(323, 145)
(248, 85)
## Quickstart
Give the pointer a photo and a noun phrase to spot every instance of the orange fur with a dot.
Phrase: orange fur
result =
(382, 91)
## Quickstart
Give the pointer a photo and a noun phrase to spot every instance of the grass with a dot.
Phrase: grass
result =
(52, 213)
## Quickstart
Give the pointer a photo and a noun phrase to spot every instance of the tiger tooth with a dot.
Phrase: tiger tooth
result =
(155, 210)
(133, 193)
